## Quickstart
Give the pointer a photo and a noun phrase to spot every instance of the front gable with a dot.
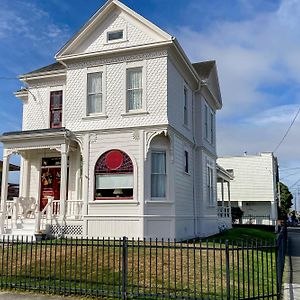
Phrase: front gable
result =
(113, 16)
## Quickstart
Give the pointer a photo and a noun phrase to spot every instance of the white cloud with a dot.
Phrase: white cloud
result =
(282, 115)
(259, 67)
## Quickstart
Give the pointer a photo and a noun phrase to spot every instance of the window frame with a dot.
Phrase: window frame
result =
(157, 150)
(186, 162)
(185, 106)
(210, 185)
(209, 124)
(102, 70)
(124, 39)
(143, 110)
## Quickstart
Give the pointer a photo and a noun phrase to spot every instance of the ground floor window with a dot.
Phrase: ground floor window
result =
(158, 174)
(114, 176)
(210, 185)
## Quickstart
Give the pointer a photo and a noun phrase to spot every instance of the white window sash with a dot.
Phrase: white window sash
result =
(94, 93)
(134, 88)
(185, 108)
(158, 174)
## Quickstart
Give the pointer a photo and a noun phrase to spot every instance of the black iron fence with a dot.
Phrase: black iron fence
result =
(141, 269)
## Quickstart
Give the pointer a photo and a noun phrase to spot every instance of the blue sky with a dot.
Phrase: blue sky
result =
(256, 44)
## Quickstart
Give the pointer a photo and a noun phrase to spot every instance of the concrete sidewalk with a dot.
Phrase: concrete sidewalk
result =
(292, 280)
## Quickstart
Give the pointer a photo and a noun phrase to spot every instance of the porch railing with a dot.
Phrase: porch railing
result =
(224, 212)
(23, 208)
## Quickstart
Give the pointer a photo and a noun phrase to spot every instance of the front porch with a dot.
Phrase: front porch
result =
(224, 210)
(50, 199)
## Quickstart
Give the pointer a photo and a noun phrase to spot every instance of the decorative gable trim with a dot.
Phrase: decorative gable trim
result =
(99, 16)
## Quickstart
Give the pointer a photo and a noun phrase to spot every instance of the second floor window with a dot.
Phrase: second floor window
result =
(186, 162)
(56, 103)
(94, 93)
(185, 107)
(134, 89)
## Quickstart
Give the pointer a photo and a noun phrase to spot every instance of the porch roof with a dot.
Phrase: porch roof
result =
(223, 174)
(37, 139)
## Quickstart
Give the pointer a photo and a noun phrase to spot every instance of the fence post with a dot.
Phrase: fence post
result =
(124, 267)
(227, 269)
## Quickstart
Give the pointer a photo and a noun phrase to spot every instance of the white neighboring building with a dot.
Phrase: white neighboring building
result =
(118, 137)
(254, 185)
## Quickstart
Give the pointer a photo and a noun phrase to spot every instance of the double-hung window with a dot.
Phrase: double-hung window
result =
(94, 93)
(158, 174)
(185, 107)
(134, 89)
(206, 121)
(210, 185)
(56, 104)
(186, 162)
(211, 128)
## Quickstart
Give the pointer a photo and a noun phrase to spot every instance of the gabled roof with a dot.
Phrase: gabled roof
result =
(100, 15)
(204, 68)
(207, 72)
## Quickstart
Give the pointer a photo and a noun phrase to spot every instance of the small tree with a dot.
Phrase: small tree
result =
(236, 213)
(286, 203)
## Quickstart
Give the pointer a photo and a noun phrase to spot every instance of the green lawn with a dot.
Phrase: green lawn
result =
(184, 269)
(244, 234)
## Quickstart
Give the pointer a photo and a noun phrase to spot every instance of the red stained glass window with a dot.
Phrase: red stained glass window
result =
(114, 161)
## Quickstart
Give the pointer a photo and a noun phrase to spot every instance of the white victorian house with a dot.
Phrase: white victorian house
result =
(118, 137)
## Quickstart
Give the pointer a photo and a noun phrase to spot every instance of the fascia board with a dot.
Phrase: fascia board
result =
(113, 51)
(45, 75)
(211, 97)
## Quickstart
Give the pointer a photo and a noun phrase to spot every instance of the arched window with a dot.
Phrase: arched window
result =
(114, 176)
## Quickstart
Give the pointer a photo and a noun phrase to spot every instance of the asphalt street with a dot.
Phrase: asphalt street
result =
(292, 285)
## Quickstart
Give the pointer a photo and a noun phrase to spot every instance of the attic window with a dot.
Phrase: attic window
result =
(115, 35)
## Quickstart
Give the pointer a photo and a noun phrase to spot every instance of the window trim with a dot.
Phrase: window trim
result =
(186, 162)
(209, 124)
(55, 89)
(102, 114)
(162, 199)
(185, 106)
(124, 39)
(210, 193)
(143, 109)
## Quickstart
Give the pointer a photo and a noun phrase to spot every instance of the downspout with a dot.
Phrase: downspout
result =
(201, 83)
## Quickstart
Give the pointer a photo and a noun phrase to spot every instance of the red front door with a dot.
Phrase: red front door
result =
(50, 185)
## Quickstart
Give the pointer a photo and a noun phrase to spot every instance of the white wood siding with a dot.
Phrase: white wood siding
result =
(253, 177)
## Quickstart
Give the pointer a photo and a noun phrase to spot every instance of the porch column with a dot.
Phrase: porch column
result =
(85, 180)
(63, 180)
(222, 191)
(4, 189)
(228, 191)
(4, 185)
(24, 176)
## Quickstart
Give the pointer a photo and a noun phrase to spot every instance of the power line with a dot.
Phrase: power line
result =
(286, 133)
(8, 78)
